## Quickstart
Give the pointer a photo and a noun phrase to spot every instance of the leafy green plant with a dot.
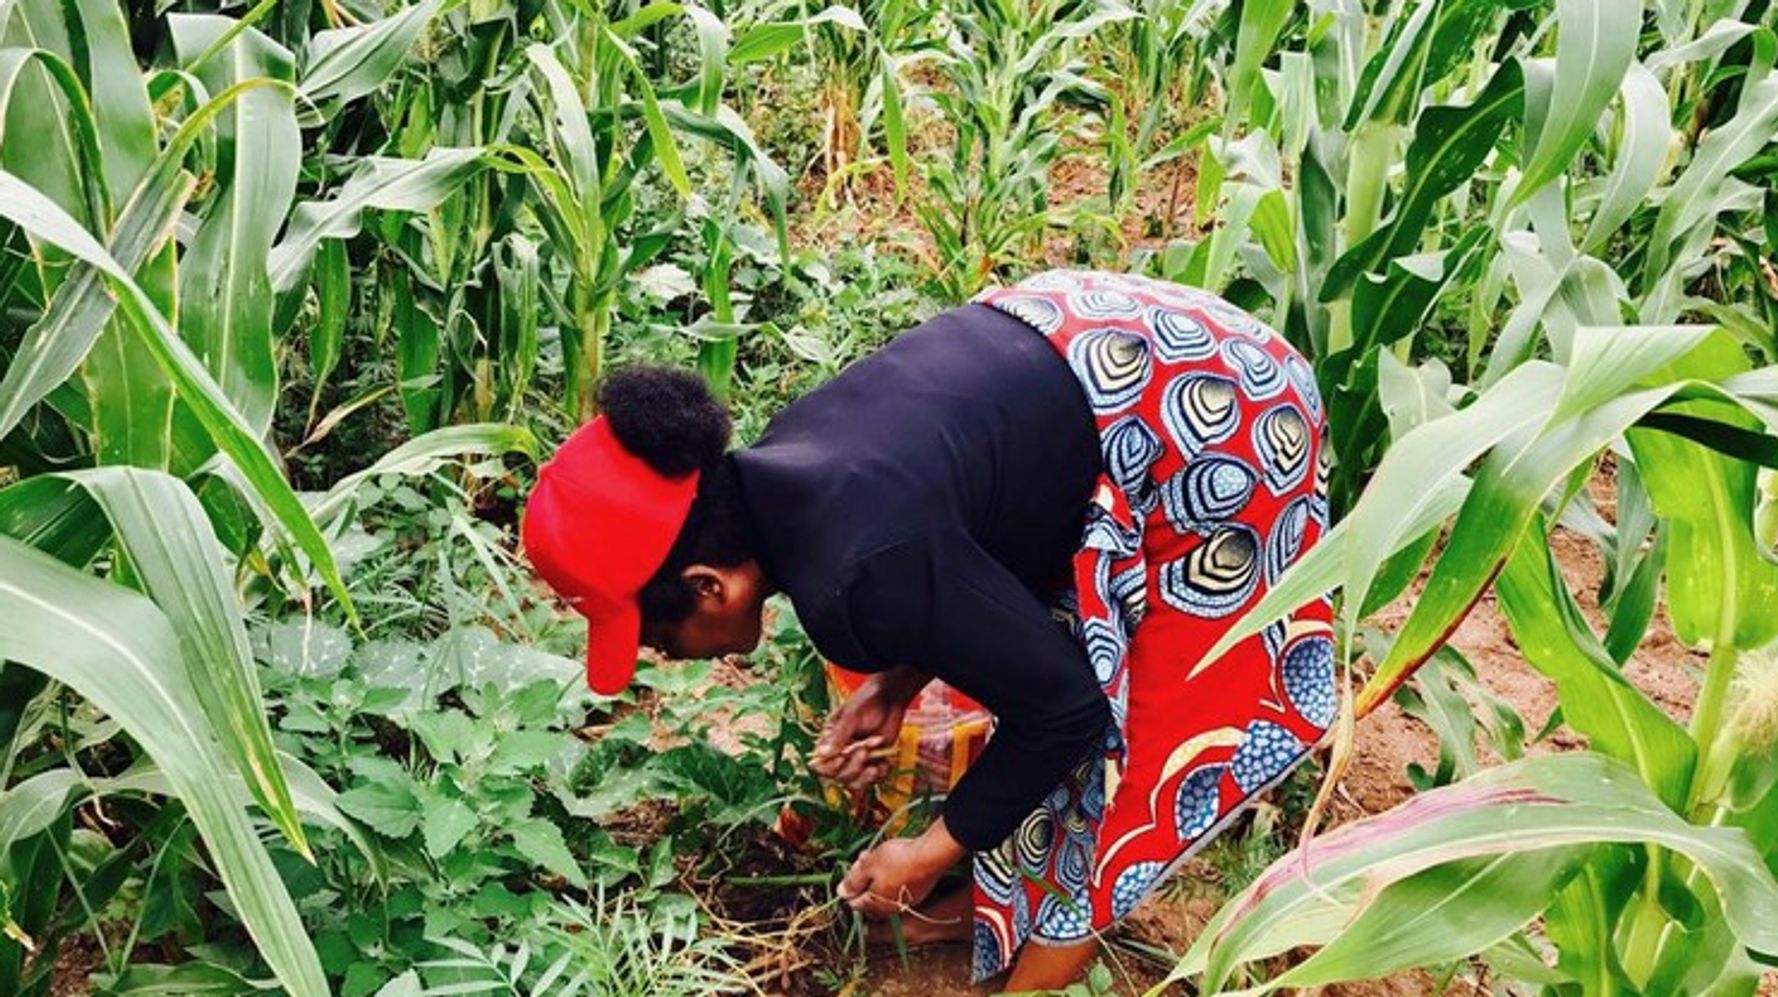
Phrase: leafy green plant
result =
(1010, 68)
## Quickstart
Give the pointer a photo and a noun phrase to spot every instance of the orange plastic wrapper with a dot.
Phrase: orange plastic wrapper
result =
(942, 734)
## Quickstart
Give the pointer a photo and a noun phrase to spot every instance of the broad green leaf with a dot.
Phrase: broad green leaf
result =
(387, 806)
(36, 214)
(1597, 700)
(1646, 134)
(378, 183)
(54, 347)
(1542, 444)
(344, 64)
(541, 842)
(1262, 21)
(34, 804)
(114, 648)
(173, 551)
(1538, 803)
(225, 306)
(1595, 45)
(447, 821)
(1694, 196)
(1450, 143)
(1721, 584)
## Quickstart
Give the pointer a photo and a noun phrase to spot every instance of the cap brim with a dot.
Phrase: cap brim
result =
(613, 641)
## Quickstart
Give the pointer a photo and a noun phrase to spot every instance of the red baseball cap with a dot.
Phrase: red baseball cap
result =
(597, 526)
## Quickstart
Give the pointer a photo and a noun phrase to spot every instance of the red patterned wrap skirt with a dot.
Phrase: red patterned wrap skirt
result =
(1214, 483)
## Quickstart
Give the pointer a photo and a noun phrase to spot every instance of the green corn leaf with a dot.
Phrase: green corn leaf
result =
(1438, 916)
(114, 648)
(1641, 155)
(173, 551)
(1597, 700)
(1697, 194)
(53, 348)
(665, 149)
(35, 213)
(67, 166)
(1323, 567)
(333, 292)
(225, 310)
(1389, 89)
(1450, 143)
(1595, 46)
(379, 183)
(344, 64)
(1720, 580)
(1541, 445)
(1262, 22)
(422, 454)
(765, 41)
(125, 121)
(1532, 805)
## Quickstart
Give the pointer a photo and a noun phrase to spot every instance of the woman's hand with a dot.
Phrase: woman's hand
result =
(898, 874)
(867, 722)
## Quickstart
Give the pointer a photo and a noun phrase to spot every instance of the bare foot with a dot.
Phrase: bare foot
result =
(940, 919)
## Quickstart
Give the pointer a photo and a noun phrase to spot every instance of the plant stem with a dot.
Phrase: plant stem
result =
(806, 879)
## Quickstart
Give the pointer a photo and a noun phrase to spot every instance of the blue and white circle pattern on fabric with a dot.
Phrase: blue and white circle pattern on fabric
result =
(1302, 378)
(1281, 442)
(1021, 914)
(1179, 338)
(996, 872)
(1216, 577)
(1105, 533)
(1130, 588)
(1198, 801)
(1261, 376)
(1092, 793)
(1207, 493)
(1273, 639)
(1112, 365)
(1074, 861)
(1131, 448)
(987, 958)
(1234, 319)
(1105, 648)
(1034, 310)
(1104, 303)
(1289, 531)
(1201, 410)
(1132, 885)
(1063, 920)
(1034, 837)
(1264, 755)
(1308, 671)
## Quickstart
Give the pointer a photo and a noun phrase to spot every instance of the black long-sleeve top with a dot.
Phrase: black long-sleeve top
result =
(921, 509)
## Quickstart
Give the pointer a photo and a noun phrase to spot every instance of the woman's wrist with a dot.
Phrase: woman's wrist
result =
(938, 849)
(902, 683)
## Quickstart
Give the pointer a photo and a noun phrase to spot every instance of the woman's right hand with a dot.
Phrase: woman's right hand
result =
(867, 722)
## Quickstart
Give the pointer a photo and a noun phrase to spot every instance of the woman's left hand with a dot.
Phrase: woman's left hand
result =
(898, 874)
